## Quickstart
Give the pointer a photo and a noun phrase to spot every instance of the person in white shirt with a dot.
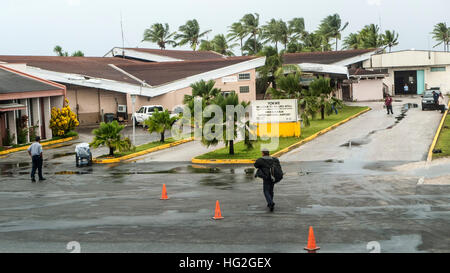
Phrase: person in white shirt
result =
(406, 88)
(35, 151)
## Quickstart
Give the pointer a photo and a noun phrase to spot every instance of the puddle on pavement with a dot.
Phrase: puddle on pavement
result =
(366, 140)
(8, 168)
(57, 146)
(73, 172)
(334, 161)
(356, 142)
(59, 155)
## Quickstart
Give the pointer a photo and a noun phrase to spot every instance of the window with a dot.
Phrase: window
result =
(226, 93)
(244, 77)
(438, 69)
(244, 89)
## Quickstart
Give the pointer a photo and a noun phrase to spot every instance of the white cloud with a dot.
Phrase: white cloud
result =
(73, 3)
(374, 2)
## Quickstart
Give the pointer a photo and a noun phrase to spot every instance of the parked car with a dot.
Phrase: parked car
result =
(145, 112)
(428, 100)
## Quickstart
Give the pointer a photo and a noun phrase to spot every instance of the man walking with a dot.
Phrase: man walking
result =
(436, 99)
(388, 103)
(264, 165)
(35, 151)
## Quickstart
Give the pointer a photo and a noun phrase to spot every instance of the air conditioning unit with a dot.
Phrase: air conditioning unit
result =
(122, 109)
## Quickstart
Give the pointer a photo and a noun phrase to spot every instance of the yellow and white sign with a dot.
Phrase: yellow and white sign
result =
(276, 118)
(269, 111)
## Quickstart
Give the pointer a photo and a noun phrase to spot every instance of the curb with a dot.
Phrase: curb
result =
(222, 161)
(436, 136)
(151, 150)
(23, 148)
(285, 150)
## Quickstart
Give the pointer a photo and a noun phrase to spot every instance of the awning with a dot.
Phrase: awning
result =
(324, 68)
(11, 107)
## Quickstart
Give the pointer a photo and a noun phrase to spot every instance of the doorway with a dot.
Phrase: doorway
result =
(408, 78)
(346, 96)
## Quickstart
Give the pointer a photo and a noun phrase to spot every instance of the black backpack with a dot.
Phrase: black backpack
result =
(276, 173)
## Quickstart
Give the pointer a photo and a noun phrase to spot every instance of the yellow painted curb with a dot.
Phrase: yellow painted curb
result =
(151, 150)
(23, 148)
(222, 161)
(436, 136)
(281, 152)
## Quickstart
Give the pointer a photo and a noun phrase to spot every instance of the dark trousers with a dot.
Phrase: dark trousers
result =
(36, 164)
(268, 191)
(333, 108)
(389, 109)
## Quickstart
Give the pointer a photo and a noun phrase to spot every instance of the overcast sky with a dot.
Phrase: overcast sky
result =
(30, 27)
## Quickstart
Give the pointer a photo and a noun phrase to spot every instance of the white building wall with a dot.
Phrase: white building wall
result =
(36, 115)
(47, 116)
(368, 90)
(439, 79)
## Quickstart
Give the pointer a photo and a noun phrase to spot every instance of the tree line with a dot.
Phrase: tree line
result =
(251, 36)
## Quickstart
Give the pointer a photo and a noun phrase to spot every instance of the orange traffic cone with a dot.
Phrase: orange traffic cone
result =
(164, 193)
(218, 214)
(311, 247)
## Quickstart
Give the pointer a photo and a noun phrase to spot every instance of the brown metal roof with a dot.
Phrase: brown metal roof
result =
(323, 57)
(366, 72)
(12, 81)
(87, 66)
(187, 55)
(165, 72)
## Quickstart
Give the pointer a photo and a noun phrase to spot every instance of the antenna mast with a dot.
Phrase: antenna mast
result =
(123, 40)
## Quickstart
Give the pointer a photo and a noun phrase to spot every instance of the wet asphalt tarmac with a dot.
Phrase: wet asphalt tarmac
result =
(116, 208)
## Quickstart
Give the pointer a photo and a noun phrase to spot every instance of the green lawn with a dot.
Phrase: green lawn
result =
(141, 148)
(317, 125)
(69, 134)
(443, 142)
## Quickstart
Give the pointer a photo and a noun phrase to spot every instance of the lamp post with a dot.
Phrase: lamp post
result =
(133, 118)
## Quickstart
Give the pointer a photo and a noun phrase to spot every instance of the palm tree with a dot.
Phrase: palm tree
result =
(272, 32)
(312, 42)
(332, 27)
(441, 33)
(251, 26)
(390, 39)
(252, 47)
(190, 33)
(159, 122)
(294, 46)
(369, 36)
(58, 50)
(78, 53)
(159, 34)
(273, 62)
(285, 33)
(202, 89)
(289, 87)
(321, 88)
(297, 27)
(108, 134)
(229, 129)
(220, 45)
(352, 41)
(237, 31)
(206, 45)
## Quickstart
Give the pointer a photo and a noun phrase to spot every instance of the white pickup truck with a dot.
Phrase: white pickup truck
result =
(147, 111)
